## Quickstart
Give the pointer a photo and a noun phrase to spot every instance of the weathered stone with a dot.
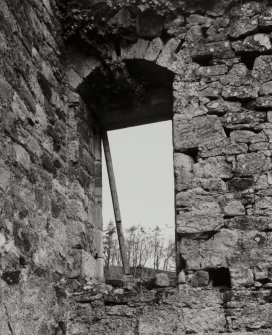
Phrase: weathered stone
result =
(4, 178)
(162, 280)
(242, 136)
(213, 167)
(244, 119)
(241, 276)
(234, 208)
(50, 174)
(181, 278)
(219, 148)
(212, 90)
(215, 185)
(221, 49)
(251, 8)
(263, 206)
(260, 146)
(269, 116)
(258, 42)
(196, 19)
(262, 69)
(154, 49)
(22, 156)
(240, 184)
(243, 26)
(166, 57)
(197, 225)
(249, 223)
(183, 171)
(210, 71)
(174, 25)
(136, 50)
(194, 34)
(212, 253)
(220, 107)
(5, 89)
(266, 88)
(250, 164)
(263, 102)
(265, 19)
(200, 278)
(243, 92)
(202, 129)
(48, 164)
(123, 19)
(237, 76)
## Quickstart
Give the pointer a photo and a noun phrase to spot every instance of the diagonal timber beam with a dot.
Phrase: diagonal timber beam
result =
(115, 202)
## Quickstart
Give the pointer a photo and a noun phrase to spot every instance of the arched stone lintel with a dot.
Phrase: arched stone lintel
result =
(155, 51)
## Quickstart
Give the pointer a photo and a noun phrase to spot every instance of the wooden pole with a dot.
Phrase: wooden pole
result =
(115, 202)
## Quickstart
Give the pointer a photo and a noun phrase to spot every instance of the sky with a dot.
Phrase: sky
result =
(143, 165)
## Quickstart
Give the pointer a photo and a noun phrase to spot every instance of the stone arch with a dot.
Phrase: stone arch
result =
(152, 56)
(155, 51)
(192, 127)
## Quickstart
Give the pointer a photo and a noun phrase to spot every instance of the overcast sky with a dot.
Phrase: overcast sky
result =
(143, 165)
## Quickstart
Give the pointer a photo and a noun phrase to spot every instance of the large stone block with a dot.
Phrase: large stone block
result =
(198, 213)
(250, 164)
(242, 136)
(243, 120)
(154, 49)
(234, 208)
(262, 69)
(263, 206)
(258, 42)
(250, 309)
(211, 253)
(243, 26)
(251, 222)
(222, 147)
(220, 49)
(213, 167)
(183, 168)
(200, 130)
(196, 226)
(241, 276)
(244, 92)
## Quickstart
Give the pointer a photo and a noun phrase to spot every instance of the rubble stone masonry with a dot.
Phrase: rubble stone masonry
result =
(51, 268)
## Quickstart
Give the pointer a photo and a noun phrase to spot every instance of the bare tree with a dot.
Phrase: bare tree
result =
(169, 262)
(108, 243)
(144, 246)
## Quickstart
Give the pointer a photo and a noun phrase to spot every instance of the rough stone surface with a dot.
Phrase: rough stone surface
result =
(72, 61)
(162, 280)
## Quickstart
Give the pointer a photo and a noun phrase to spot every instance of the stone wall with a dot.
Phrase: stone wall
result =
(50, 175)
(220, 53)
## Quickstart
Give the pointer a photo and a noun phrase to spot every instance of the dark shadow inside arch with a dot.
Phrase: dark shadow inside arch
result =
(131, 93)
